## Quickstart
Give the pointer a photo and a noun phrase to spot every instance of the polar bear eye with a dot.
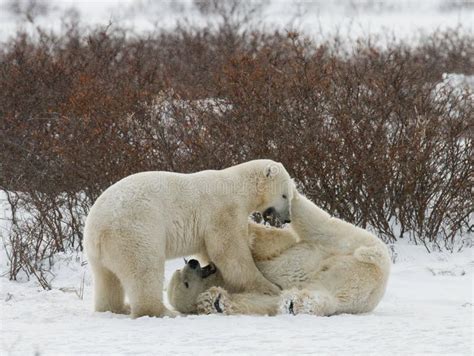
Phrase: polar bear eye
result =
(283, 196)
(186, 284)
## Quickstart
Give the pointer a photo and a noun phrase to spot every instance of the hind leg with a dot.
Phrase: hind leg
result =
(305, 301)
(108, 291)
(145, 291)
(142, 272)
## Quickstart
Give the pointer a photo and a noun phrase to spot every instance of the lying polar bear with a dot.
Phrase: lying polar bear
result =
(325, 265)
(146, 218)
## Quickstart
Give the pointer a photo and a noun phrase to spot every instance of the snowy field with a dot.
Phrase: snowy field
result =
(428, 305)
(427, 310)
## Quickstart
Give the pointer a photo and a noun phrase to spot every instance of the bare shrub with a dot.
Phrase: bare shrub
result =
(28, 10)
(41, 226)
(368, 133)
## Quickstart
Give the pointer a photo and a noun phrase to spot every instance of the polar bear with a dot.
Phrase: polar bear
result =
(146, 218)
(265, 243)
(335, 268)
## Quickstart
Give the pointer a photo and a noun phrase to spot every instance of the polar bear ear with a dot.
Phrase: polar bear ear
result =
(272, 170)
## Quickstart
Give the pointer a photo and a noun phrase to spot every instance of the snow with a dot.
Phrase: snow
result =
(459, 85)
(427, 309)
(429, 299)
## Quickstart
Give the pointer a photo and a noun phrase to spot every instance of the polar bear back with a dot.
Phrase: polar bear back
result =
(185, 208)
(148, 199)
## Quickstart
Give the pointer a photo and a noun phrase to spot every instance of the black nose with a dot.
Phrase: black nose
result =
(286, 221)
(193, 264)
(269, 212)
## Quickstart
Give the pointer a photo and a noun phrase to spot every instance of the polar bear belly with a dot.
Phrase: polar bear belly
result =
(294, 267)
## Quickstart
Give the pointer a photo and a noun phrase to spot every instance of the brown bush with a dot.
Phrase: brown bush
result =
(368, 133)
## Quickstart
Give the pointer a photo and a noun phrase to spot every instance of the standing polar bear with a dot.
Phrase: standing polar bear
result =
(146, 218)
(329, 267)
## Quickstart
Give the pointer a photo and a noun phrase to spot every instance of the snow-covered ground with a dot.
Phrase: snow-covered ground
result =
(427, 309)
(428, 304)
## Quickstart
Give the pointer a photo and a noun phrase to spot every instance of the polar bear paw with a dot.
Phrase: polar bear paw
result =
(301, 302)
(215, 300)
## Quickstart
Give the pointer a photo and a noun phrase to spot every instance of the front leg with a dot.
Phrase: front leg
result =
(215, 300)
(230, 251)
(269, 242)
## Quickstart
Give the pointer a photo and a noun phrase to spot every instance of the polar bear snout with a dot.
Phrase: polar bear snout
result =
(203, 272)
(193, 264)
(271, 214)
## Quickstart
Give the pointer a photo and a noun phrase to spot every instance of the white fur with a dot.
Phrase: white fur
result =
(336, 267)
(146, 218)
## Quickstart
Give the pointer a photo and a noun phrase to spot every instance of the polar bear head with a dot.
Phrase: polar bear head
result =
(275, 190)
(187, 283)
